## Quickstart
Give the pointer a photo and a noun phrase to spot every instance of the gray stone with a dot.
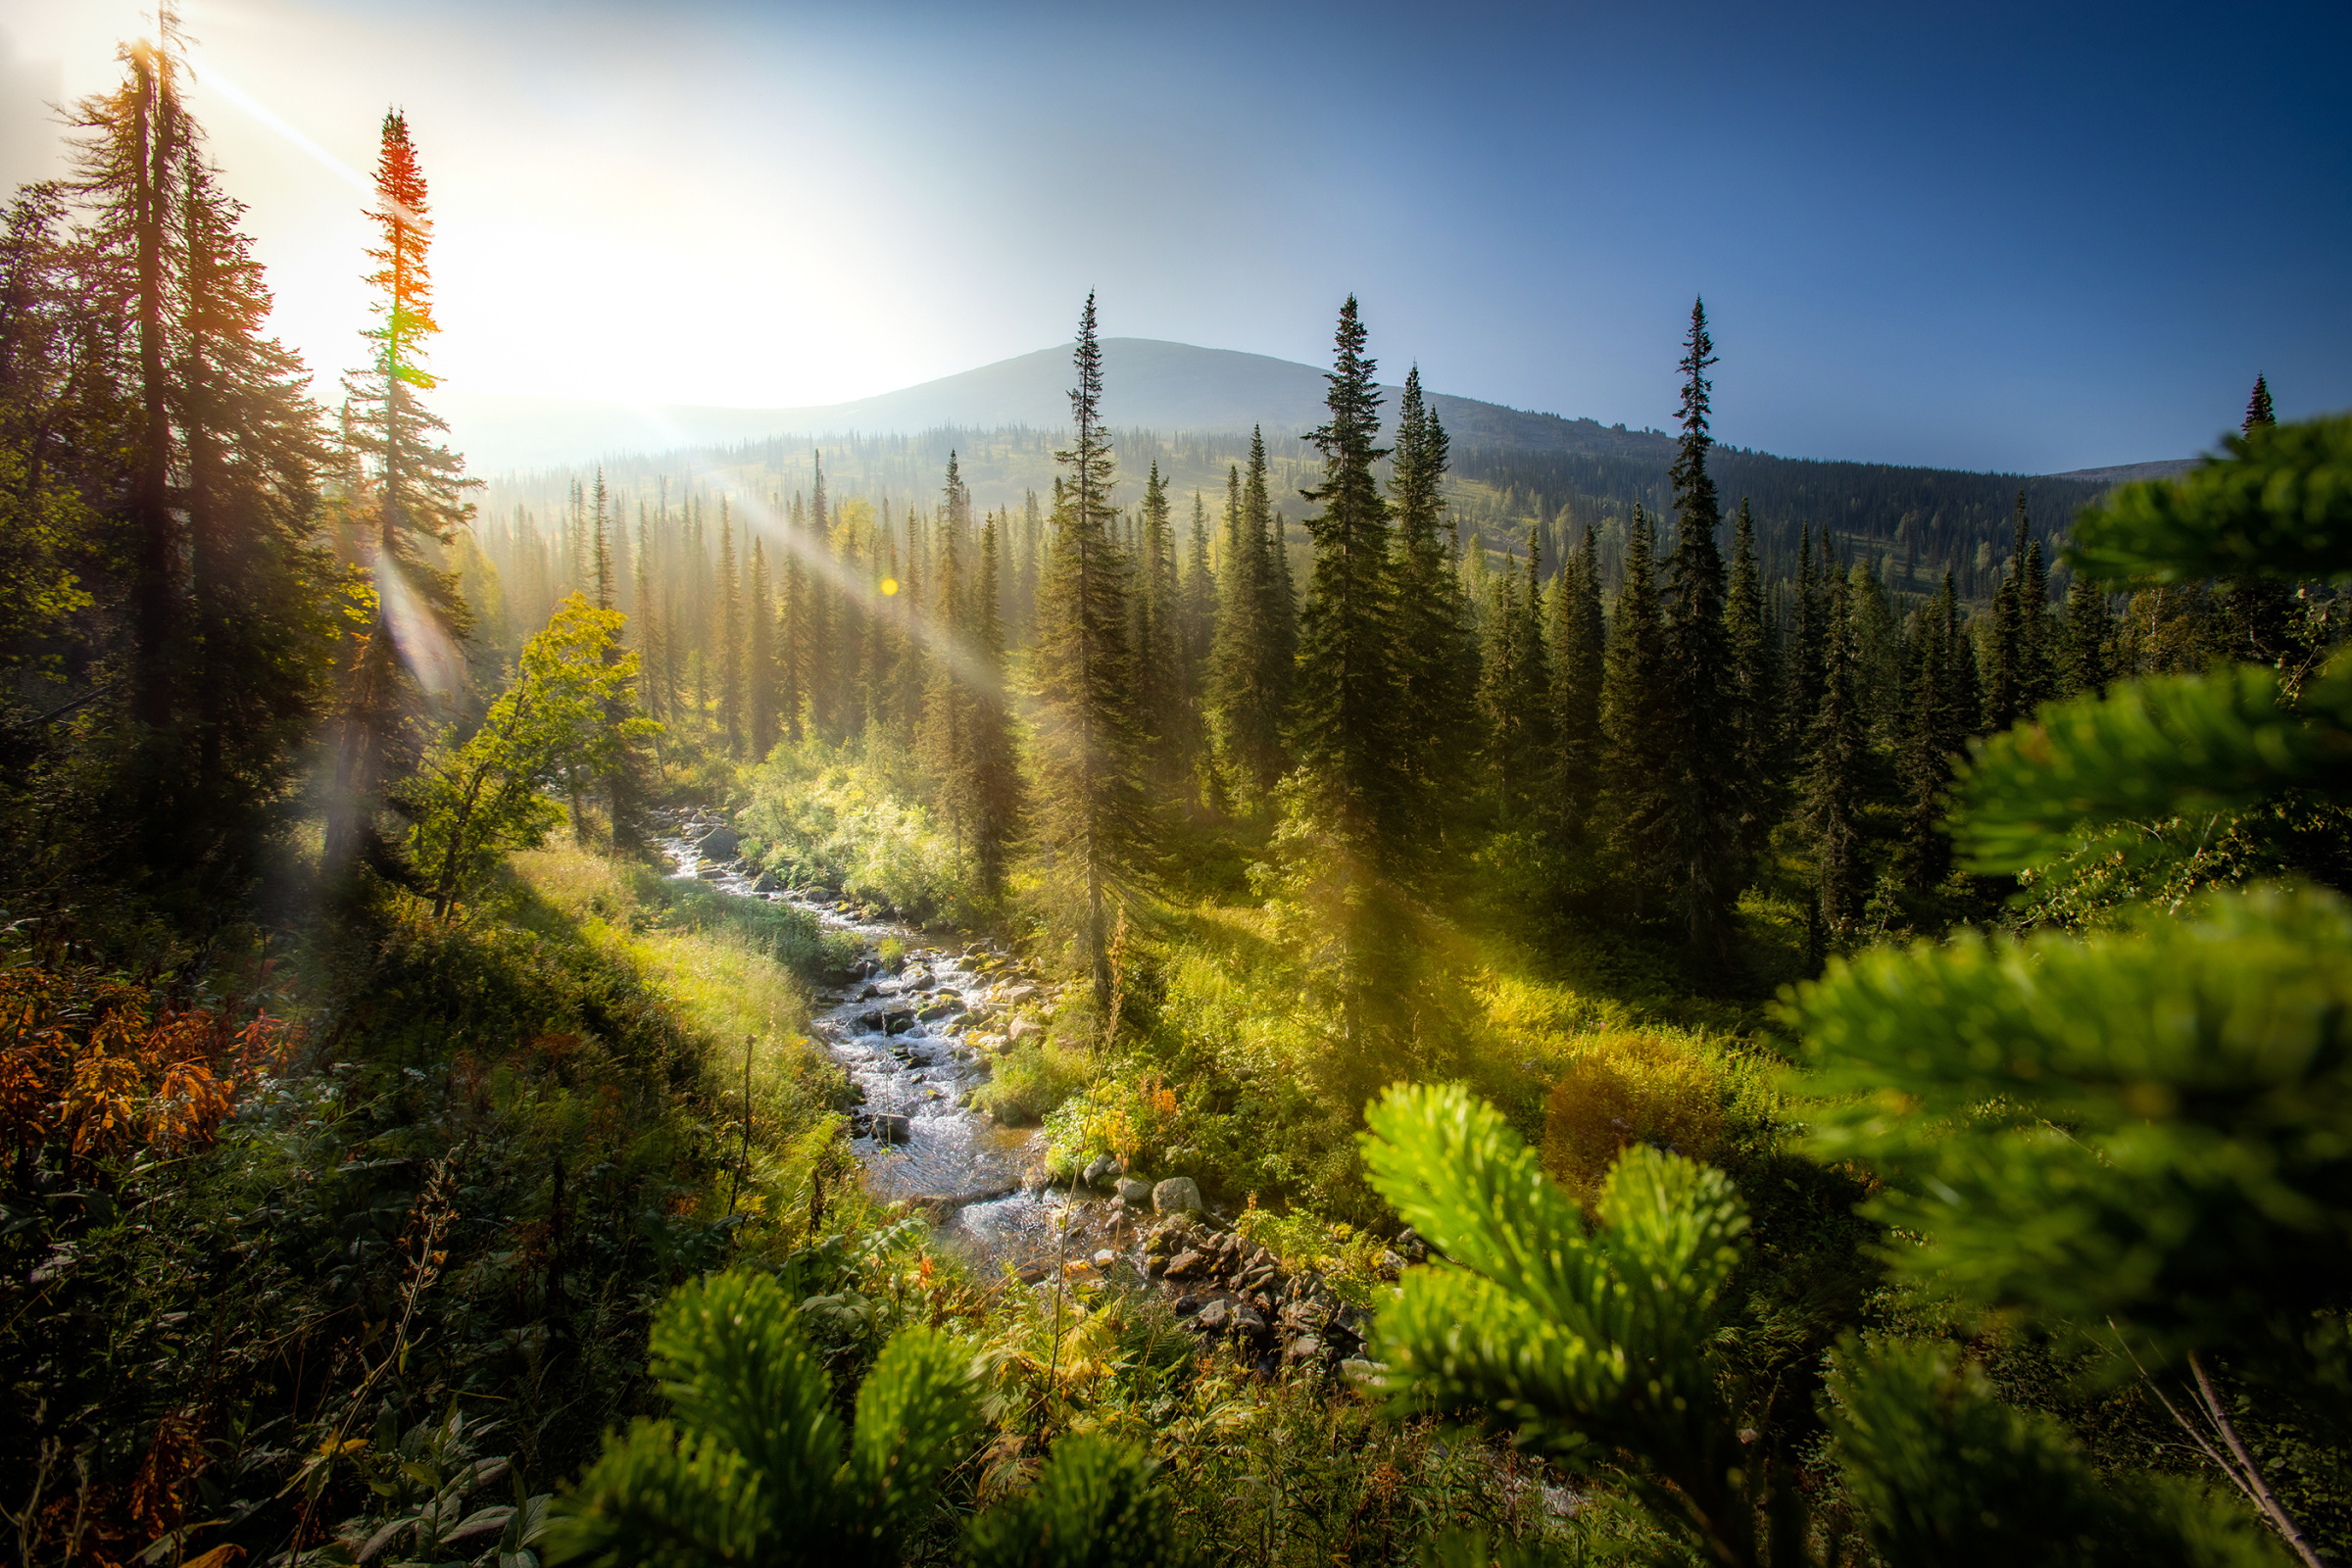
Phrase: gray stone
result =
(1018, 995)
(1136, 1192)
(991, 1044)
(767, 883)
(1213, 1317)
(1360, 1372)
(1097, 1169)
(917, 980)
(1184, 1266)
(1176, 1194)
(1104, 1257)
(719, 844)
(890, 1128)
(1305, 1347)
(945, 1007)
(1025, 1029)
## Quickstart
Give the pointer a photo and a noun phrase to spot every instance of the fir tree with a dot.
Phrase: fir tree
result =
(2255, 613)
(1704, 810)
(1089, 805)
(1515, 691)
(1434, 655)
(2089, 630)
(726, 632)
(1163, 714)
(995, 772)
(1579, 648)
(760, 666)
(1638, 723)
(2259, 414)
(1755, 688)
(1347, 677)
(1198, 617)
(1831, 811)
(418, 501)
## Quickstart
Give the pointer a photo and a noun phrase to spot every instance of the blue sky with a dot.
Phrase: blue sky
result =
(2028, 238)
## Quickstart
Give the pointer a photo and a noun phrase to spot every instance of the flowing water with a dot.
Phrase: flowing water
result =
(904, 1038)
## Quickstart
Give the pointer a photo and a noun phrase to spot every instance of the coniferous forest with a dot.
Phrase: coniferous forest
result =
(1120, 997)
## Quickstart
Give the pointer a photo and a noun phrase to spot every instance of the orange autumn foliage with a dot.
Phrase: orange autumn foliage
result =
(98, 1066)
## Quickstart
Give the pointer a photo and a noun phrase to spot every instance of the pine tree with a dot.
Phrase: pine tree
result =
(1705, 816)
(1515, 693)
(1755, 688)
(948, 710)
(2256, 614)
(759, 668)
(1831, 812)
(2259, 414)
(419, 500)
(726, 632)
(996, 771)
(601, 555)
(2089, 630)
(1347, 678)
(819, 629)
(1803, 677)
(1638, 723)
(1198, 617)
(1434, 655)
(1089, 805)
(1164, 714)
(1246, 679)
(1579, 638)
(2005, 677)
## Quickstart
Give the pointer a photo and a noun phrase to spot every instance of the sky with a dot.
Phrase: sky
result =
(2024, 238)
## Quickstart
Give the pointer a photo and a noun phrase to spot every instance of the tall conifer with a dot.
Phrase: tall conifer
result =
(1579, 638)
(1436, 659)
(1638, 723)
(1704, 810)
(1089, 805)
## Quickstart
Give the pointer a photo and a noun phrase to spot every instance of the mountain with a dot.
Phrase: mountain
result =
(2133, 473)
(1148, 384)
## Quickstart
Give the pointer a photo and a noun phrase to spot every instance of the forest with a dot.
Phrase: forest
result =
(1122, 997)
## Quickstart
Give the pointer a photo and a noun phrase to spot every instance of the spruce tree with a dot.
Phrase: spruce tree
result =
(418, 501)
(1833, 790)
(996, 771)
(1347, 686)
(759, 656)
(1638, 725)
(726, 632)
(1164, 716)
(1435, 656)
(1247, 679)
(1089, 805)
(948, 710)
(1802, 677)
(1515, 693)
(1198, 617)
(2255, 613)
(1579, 648)
(1754, 687)
(1704, 810)
(2089, 629)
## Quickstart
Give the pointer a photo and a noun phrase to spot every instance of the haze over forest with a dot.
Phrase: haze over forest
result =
(1152, 956)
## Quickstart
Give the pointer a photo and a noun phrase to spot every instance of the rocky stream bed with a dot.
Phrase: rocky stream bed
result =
(917, 1035)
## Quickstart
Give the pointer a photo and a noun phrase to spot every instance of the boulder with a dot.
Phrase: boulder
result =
(916, 979)
(1214, 1317)
(889, 1129)
(1136, 1192)
(767, 883)
(945, 1007)
(1097, 1169)
(898, 1021)
(1187, 1264)
(717, 843)
(1025, 1029)
(1177, 1194)
(1305, 1347)
(1018, 995)
(1104, 1257)
(989, 1045)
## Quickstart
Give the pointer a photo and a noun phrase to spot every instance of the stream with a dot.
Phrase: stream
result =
(907, 1040)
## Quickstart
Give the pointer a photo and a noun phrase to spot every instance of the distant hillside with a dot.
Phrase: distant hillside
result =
(1149, 386)
(1188, 409)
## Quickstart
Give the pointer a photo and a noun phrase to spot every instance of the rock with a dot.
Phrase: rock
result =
(1018, 995)
(1184, 1266)
(1025, 1029)
(1246, 1322)
(1136, 1192)
(1104, 1257)
(992, 1044)
(1390, 1265)
(1097, 1169)
(1305, 1347)
(948, 1007)
(890, 1128)
(719, 844)
(767, 883)
(917, 980)
(1362, 1373)
(898, 1021)
(1178, 1193)
(1213, 1317)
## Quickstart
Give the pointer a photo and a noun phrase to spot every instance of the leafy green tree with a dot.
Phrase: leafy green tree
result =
(1089, 803)
(757, 1465)
(554, 725)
